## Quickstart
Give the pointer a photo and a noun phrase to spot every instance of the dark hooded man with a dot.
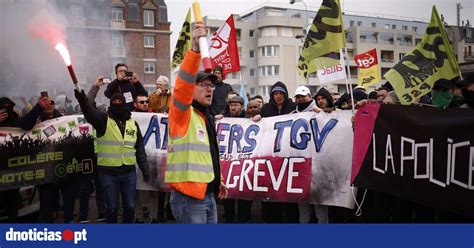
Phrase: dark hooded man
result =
(119, 147)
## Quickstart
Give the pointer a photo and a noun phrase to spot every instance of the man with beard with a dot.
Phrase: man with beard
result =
(119, 147)
(236, 110)
(324, 100)
(193, 165)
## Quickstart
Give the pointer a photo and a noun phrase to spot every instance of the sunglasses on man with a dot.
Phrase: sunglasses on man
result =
(143, 102)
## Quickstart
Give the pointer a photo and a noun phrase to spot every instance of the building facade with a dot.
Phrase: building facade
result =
(270, 38)
(99, 34)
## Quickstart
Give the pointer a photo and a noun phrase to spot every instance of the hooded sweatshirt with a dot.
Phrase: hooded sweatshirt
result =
(325, 93)
(271, 109)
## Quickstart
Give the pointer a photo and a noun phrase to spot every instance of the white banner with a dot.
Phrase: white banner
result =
(331, 74)
(303, 157)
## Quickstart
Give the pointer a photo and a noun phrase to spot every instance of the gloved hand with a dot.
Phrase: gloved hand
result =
(80, 96)
(146, 177)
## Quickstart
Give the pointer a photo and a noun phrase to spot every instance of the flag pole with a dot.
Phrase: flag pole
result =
(347, 82)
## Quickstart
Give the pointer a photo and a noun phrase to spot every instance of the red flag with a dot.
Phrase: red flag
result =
(223, 49)
(3, 135)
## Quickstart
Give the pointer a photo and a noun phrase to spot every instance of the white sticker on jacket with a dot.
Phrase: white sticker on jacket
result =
(201, 134)
(128, 97)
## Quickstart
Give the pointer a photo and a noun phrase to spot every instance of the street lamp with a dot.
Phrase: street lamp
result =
(306, 13)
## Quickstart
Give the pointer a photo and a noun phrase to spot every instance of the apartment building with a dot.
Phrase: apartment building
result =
(270, 38)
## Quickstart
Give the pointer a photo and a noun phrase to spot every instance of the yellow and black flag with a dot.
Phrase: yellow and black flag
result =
(431, 60)
(324, 39)
(184, 42)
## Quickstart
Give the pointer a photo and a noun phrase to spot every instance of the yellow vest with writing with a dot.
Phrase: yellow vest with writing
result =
(115, 150)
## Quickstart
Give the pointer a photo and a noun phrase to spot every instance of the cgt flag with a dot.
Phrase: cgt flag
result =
(184, 42)
(369, 72)
(324, 39)
(223, 48)
(429, 61)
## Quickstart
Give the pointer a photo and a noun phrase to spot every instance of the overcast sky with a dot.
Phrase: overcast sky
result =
(407, 8)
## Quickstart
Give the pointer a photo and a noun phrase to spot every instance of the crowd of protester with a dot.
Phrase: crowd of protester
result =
(152, 206)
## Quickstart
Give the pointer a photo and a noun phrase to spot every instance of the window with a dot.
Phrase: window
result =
(237, 34)
(414, 29)
(149, 41)
(252, 91)
(252, 33)
(133, 10)
(386, 56)
(269, 32)
(386, 38)
(351, 24)
(264, 90)
(252, 72)
(149, 67)
(404, 28)
(400, 56)
(287, 32)
(404, 40)
(269, 70)
(270, 51)
(394, 26)
(387, 26)
(163, 13)
(118, 48)
(117, 14)
(359, 23)
(240, 53)
(77, 43)
(349, 37)
(417, 40)
(374, 25)
(368, 37)
(77, 11)
(252, 54)
(468, 33)
(148, 18)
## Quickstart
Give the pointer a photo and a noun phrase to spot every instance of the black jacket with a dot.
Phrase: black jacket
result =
(270, 109)
(36, 115)
(124, 86)
(99, 121)
(219, 98)
(325, 93)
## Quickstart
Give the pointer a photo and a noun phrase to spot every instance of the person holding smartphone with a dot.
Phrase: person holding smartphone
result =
(126, 84)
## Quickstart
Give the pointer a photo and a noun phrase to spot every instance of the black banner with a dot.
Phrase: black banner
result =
(421, 154)
(52, 151)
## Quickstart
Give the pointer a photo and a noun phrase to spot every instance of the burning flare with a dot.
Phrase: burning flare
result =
(64, 53)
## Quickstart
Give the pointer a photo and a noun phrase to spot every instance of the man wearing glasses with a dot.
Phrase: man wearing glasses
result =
(192, 166)
(141, 104)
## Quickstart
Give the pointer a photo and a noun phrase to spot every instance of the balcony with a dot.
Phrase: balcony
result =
(117, 24)
(118, 51)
